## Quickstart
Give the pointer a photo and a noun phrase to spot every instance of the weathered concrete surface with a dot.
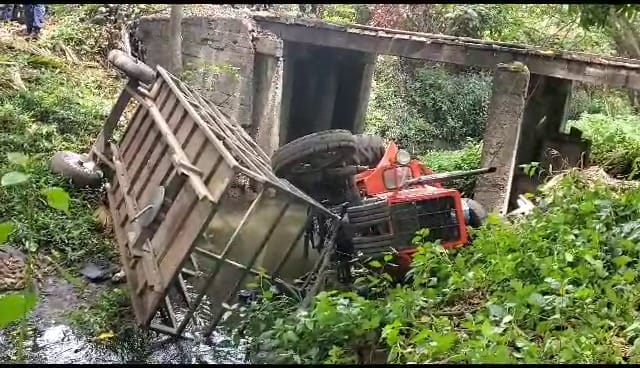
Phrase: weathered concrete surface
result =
(221, 46)
(242, 69)
(502, 135)
(268, 73)
(589, 68)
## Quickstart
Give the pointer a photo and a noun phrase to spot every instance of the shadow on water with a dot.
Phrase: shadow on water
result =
(52, 340)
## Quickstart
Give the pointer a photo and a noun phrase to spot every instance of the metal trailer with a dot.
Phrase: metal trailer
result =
(172, 174)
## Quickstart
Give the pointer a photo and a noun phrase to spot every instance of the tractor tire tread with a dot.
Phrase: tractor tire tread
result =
(372, 207)
(372, 239)
(303, 147)
(369, 149)
(369, 217)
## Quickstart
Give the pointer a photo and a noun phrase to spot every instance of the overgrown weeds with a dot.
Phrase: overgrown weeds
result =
(615, 142)
(467, 158)
(559, 286)
(59, 110)
(48, 103)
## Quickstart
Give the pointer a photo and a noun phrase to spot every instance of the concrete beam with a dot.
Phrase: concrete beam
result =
(502, 135)
(595, 69)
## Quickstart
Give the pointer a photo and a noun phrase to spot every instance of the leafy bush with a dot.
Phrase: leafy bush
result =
(467, 158)
(598, 100)
(436, 110)
(61, 109)
(615, 142)
(560, 286)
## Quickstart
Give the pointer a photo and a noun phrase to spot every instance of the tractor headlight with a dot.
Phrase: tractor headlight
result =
(403, 157)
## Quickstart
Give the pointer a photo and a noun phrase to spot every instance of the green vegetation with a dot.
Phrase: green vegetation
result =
(50, 100)
(59, 110)
(559, 286)
(467, 158)
(436, 109)
(615, 142)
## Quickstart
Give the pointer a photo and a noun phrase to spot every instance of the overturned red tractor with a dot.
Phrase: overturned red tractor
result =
(383, 194)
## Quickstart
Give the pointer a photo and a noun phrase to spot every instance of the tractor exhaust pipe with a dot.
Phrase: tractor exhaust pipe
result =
(442, 177)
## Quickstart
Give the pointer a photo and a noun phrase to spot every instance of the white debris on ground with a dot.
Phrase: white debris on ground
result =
(591, 176)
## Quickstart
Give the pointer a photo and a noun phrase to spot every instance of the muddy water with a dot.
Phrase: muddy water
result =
(53, 341)
(249, 239)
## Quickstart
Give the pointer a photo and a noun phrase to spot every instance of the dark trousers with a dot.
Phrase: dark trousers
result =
(10, 12)
(34, 17)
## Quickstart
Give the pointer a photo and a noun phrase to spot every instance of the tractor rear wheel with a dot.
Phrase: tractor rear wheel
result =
(313, 153)
(369, 149)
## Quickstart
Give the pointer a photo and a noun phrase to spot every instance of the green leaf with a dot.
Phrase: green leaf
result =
(58, 198)
(18, 158)
(445, 342)
(536, 299)
(568, 257)
(496, 311)
(622, 260)
(6, 228)
(13, 178)
(375, 264)
(15, 306)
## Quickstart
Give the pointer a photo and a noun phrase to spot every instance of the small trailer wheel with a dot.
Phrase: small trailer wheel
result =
(133, 68)
(82, 171)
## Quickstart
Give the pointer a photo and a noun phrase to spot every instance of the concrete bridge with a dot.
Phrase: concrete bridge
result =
(293, 77)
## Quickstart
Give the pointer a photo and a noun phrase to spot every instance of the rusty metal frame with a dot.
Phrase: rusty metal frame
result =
(172, 167)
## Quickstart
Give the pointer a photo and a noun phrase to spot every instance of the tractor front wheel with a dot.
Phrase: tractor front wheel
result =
(477, 213)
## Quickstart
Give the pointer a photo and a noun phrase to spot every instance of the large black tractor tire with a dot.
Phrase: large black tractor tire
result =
(133, 68)
(73, 166)
(477, 213)
(308, 155)
(369, 149)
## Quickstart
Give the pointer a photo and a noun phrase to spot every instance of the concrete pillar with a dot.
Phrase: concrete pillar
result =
(365, 92)
(501, 136)
(267, 93)
(266, 100)
(288, 76)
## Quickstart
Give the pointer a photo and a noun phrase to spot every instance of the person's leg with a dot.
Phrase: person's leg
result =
(38, 20)
(15, 14)
(28, 17)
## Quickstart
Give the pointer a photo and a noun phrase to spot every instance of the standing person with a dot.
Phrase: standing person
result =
(34, 19)
(8, 11)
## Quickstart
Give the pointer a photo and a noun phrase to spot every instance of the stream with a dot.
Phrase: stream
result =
(52, 340)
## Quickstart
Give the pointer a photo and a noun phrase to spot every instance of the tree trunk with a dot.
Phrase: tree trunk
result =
(175, 38)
